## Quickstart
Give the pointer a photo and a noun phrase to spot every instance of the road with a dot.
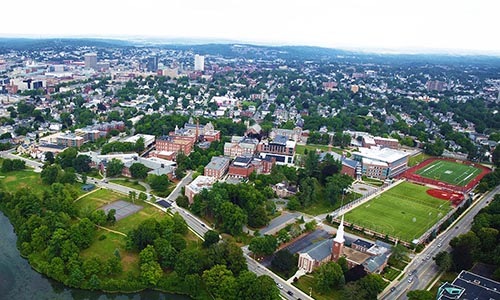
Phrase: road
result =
(423, 267)
(259, 270)
(29, 162)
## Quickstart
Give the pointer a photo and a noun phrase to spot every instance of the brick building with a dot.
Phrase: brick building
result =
(217, 167)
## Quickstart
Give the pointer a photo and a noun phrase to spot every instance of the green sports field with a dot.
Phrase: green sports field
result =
(449, 172)
(405, 211)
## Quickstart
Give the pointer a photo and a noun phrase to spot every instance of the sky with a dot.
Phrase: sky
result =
(383, 25)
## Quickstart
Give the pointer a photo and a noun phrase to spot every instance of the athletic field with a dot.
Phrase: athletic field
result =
(405, 211)
(449, 172)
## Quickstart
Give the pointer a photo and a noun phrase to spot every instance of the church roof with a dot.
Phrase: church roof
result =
(320, 250)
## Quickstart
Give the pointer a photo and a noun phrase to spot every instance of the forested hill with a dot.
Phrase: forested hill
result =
(242, 50)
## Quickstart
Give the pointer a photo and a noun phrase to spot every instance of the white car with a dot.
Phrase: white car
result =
(279, 286)
(410, 279)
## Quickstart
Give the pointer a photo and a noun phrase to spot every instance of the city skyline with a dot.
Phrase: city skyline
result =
(381, 26)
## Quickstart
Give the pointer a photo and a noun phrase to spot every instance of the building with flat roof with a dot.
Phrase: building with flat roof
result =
(199, 62)
(468, 285)
(196, 186)
(175, 144)
(240, 146)
(381, 163)
(217, 167)
(281, 148)
(90, 60)
(148, 139)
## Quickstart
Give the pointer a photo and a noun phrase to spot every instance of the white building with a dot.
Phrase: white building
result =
(199, 62)
(148, 139)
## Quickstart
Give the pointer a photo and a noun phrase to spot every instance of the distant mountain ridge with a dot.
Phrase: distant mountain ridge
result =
(233, 50)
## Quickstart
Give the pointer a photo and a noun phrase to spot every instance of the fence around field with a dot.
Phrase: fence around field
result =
(412, 176)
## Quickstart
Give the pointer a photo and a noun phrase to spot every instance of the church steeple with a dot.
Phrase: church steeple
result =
(339, 238)
(338, 241)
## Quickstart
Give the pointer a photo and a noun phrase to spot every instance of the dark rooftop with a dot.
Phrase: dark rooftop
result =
(280, 139)
(163, 203)
(363, 243)
(472, 286)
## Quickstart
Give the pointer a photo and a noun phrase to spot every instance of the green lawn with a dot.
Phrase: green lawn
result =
(415, 160)
(449, 172)
(130, 222)
(390, 273)
(99, 198)
(307, 284)
(28, 179)
(23, 179)
(129, 183)
(406, 211)
(324, 206)
(103, 197)
(105, 249)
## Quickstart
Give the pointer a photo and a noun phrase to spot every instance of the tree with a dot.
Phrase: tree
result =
(210, 237)
(329, 276)
(166, 252)
(159, 184)
(263, 245)
(94, 282)
(342, 261)
(443, 260)
(82, 163)
(49, 174)
(138, 170)
(373, 284)
(420, 295)
(179, 225)
(139, 145)
(49, 157)
(182, 201)
(111, 218)
(496, 156)
(284, 261)
(464, 247)
(399, 251)
(220, 282)
(114, 167)
(189, 261)
(151, 271)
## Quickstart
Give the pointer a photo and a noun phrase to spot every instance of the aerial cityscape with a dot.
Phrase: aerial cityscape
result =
(237, 162)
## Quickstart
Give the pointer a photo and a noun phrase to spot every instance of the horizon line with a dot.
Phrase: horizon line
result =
(165, 40)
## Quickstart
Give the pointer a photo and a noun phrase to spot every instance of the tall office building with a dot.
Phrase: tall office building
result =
(199, 62)
(91, 60)
(152, 64)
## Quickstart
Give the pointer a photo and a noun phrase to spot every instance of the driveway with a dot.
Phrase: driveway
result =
(279, 223)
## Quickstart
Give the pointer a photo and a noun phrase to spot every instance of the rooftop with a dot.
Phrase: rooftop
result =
(218, 163)
(318, 251)
(470, 286)
(386, 155)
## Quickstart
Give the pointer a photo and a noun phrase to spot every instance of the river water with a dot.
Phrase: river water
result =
(18, 281)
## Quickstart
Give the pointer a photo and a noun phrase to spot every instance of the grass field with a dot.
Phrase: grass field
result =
(103, 197)
(415, 160)
(405, 211)
(28, 179)
(449, 172)
(129, 183)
